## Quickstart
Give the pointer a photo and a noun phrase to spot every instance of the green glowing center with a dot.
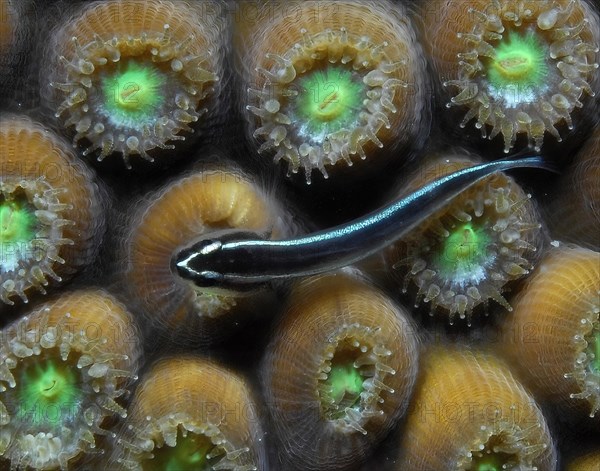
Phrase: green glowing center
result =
(594, 348)
(463, 250)
(488, 467)
(518, 60)
(345, 380)
(328, 99)
(49, 393)
(492, 461)
(134, 91)
(191, 453)
(17, 222)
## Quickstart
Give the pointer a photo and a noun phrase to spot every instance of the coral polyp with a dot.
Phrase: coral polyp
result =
(338, 371)
(470, 413)
(64, 368)
(468, 252)
(574, 213)
(516, 67)
(332, 126)
(131, 76)
(27, 240)
(553, 335)
(191, 414)
(51, 216)
(185, 210)
(324, 94)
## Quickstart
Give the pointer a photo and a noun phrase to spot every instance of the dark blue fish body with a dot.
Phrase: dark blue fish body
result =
(239, 260)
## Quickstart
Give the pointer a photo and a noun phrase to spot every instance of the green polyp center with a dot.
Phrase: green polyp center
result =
(191, 453)
(490, 460)
(520, 59)
(594, 348)
(18, 228)
(345, 383)
(133, 91)
(463, 251)
(328, 99)
(49, 393)
(17, 222)
(345, 380)
(493, 465)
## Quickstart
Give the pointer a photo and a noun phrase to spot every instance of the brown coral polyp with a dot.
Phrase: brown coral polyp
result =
(467, 253)
(64, 369)
(182, 212)
(190, 413)
(470, 413)
(335, 88)
(515, 67)
(338, 372)
(52, 214)
(130, 76)
(559, 356)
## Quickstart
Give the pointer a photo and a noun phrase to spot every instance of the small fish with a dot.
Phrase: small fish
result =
(240, 261)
